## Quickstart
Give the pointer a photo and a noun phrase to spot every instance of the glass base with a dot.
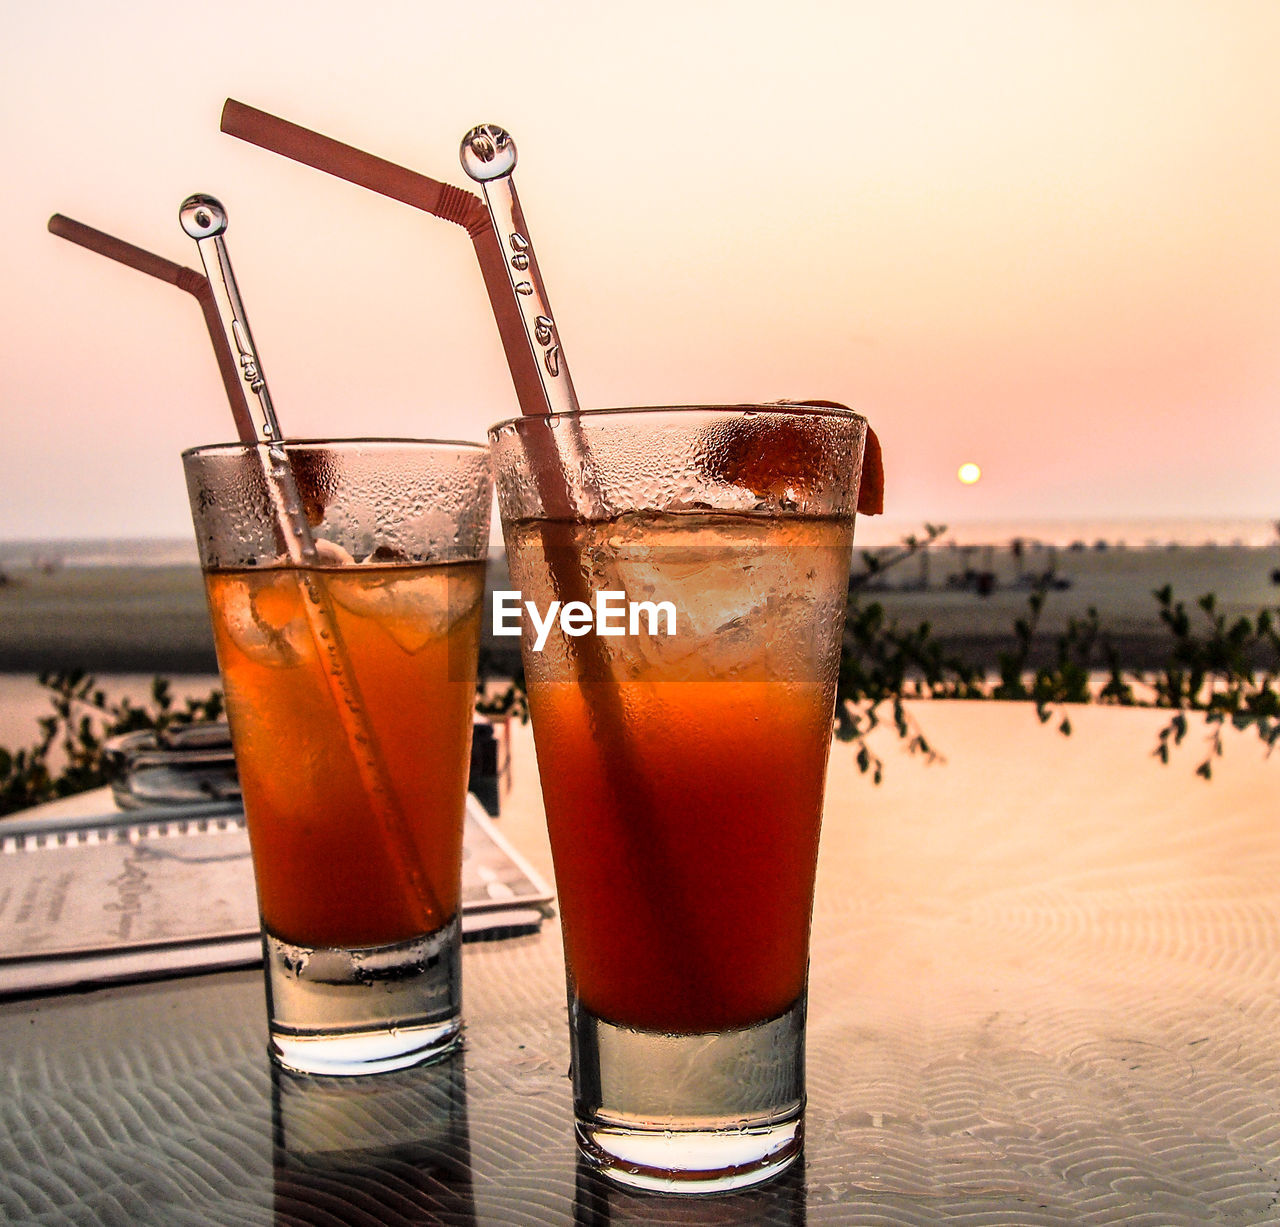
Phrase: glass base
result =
(703, 1113)
(366, 1010)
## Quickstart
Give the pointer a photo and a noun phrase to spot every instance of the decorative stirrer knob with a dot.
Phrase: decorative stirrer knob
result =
(203, 217)
(488, 153)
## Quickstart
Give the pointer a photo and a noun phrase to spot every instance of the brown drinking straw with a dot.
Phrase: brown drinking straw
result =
(194, 283)
(443, 200)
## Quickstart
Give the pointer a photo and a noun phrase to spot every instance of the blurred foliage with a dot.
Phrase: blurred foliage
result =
(1214, 670)
(503, 703)
(1225, 671)
(504, 700)
(67, 757)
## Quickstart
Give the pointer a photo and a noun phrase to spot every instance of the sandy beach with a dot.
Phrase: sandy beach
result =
(1117, 581)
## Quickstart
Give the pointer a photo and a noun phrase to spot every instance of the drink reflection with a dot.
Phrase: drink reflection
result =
(779, 1203)
(392, 1149)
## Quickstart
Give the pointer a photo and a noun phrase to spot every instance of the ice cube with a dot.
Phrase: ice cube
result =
(330, 553)
(413, 605)
(264, 617)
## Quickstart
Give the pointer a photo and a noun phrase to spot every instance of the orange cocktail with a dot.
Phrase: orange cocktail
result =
(684, 791)
(696, 562)
(325, 876)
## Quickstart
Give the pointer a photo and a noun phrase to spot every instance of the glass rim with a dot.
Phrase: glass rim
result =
(375, 442)
(803, 408)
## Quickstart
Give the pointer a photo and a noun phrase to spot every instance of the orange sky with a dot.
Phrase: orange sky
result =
(1040, 236)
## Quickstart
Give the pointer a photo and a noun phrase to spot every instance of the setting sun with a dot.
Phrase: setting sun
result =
(969, 473)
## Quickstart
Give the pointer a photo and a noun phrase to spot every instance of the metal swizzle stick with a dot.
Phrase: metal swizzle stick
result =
(488, 155)
(205, 220)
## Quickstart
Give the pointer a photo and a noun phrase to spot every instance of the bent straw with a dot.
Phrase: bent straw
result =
(443, 200)
(195, 284)
(204, 219)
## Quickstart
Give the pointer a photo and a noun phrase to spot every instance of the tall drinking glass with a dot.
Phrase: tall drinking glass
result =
(350, 688)
(688, 572)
